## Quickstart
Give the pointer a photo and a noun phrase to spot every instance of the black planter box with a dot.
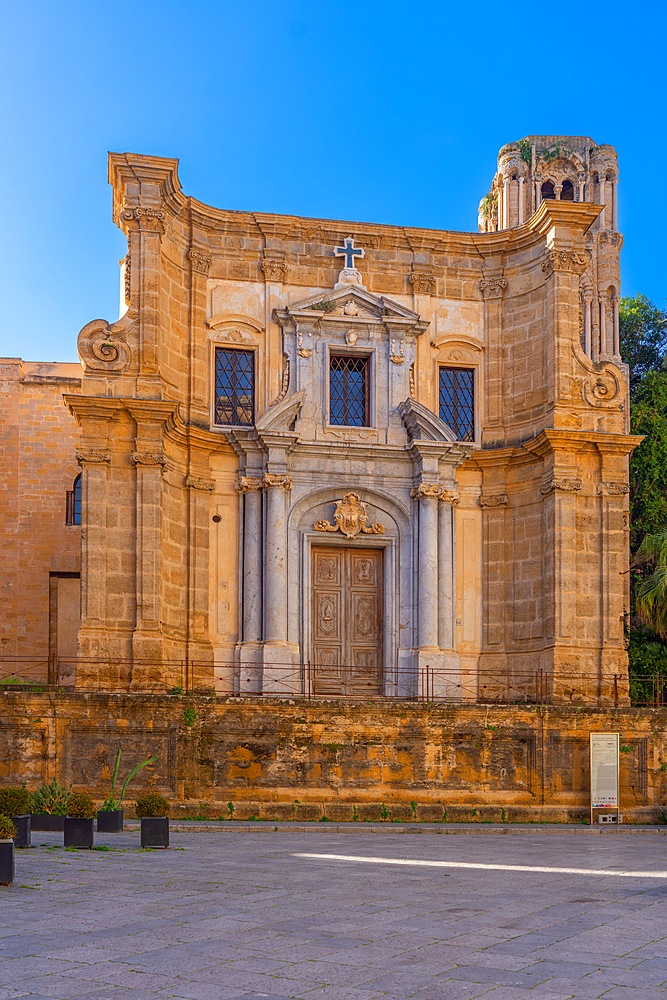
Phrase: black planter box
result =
(78, 832)
(23, 827)
(110, 822)
(155, 831)
(45, 823)
(6, 862)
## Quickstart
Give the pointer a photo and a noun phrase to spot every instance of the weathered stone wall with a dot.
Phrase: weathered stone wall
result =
(366, 760)
(38, 440)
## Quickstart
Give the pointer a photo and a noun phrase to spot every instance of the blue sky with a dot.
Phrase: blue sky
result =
(375, 111)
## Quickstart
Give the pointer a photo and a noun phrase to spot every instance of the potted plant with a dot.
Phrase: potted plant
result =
(79, 821)
(15, 803)
(49, 806)
(153, 811)
(7, 834)
(110, 814)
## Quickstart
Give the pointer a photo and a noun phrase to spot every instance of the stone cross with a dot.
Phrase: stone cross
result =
(348, 251)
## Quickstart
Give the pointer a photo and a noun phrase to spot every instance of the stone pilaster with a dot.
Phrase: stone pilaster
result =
(493, 288)
(144, 226)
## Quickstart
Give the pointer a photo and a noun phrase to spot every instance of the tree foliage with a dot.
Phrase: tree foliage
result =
(648, 464)
(643, 334)
(643, 331)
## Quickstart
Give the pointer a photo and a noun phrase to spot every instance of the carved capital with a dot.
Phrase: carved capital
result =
(491, 500)
(274, 270)
(199, 483)
(150, 220)
(94, 456)
(148, 458)
(493, 288)
(431, 491)
(422, 282)
(248, 484)
(574, 261)
(277, 481)
(450, 496)
(613, 489)
(562, 485)
(201, 262)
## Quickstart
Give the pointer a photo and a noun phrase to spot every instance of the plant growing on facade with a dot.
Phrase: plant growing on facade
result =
(525, 151)
(151, 804)
(112, 804)
(51, 799)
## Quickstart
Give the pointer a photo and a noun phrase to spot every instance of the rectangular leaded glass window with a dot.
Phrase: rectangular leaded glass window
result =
(457, 401)
(348, 390)
(234, 387)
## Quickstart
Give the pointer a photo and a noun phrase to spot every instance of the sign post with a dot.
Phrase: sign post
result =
(604, 750)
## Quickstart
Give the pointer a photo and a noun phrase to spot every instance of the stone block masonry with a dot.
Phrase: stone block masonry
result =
(241, 758)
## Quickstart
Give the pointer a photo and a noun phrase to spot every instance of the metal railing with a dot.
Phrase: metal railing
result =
(315, 682)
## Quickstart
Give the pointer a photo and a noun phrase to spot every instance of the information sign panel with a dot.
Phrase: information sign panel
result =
(604, 749)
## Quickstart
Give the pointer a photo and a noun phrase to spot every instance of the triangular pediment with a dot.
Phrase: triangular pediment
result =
(351, 304)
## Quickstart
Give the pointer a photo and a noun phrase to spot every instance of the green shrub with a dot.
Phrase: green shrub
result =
(51, 799)
(15, 801)
(7, 828)
(81, 806)
(151, 804)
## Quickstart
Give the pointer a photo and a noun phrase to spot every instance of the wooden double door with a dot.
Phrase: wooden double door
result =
(346, 627)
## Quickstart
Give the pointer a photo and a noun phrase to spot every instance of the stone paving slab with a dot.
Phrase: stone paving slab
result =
(219, 917)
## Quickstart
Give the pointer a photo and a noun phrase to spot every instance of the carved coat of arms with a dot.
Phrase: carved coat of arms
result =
(350, 518)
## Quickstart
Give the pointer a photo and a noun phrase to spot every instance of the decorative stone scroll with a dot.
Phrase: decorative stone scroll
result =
(600, 390)
(492, 288)
(250, 484)
(350, 518)
(148, 458)
(201, 262)
(94, 456)
(562, 485)
(613, 489)
(564, 260)
(277, 481)
(199, 483)
(492, 500)
(285, 382)
(100, 347)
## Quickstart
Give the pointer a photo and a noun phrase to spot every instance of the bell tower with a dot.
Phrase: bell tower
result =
(567, 168)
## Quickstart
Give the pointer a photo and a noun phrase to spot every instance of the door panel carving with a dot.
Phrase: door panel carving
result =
(347, 621)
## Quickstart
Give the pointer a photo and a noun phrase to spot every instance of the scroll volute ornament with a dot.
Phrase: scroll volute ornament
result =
(350, 518)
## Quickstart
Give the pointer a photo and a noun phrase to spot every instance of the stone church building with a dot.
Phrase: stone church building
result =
(334, 458)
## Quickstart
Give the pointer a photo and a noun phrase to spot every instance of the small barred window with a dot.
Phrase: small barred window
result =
(457, 401)
(234, 387)
(348, 391)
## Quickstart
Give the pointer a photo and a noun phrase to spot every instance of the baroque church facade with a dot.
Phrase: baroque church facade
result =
(355, 460)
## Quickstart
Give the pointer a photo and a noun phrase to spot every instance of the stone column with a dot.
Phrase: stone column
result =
(250, 672)
(614, 205)
(144, 226)
(250, 488)
(277, 654)
(582, 185)
(199, 653)
(92, 642)
(446, 568)
(506, 203)
(428, 652)
(588, 319)
(521, 197)
(617, 333)
(492, 289)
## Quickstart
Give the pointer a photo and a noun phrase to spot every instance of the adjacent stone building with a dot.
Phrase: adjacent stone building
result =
(358, 460)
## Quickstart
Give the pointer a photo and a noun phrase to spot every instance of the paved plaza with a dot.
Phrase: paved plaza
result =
(278, 913)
